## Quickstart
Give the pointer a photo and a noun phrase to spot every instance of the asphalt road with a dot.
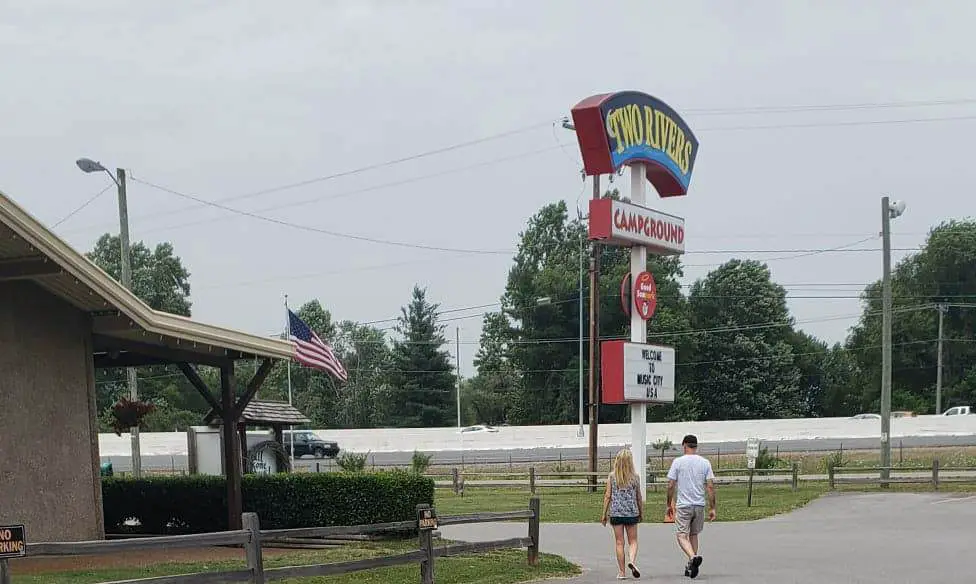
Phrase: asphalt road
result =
(525, 456)
(840, 538)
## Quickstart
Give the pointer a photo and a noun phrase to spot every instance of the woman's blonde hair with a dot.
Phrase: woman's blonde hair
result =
(624, 473)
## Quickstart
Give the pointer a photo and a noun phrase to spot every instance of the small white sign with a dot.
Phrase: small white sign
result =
(648, 373)
(622, 223)
(752, 451)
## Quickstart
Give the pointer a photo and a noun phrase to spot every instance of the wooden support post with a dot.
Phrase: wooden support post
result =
(454, 479)
(830, 476)
(427, 547)
(533, 553)
(935, 473)
(232, 457)
(749, 497)
(242, 436)
(5, 576)
(796, 476)
(255, 559)
(532, 479)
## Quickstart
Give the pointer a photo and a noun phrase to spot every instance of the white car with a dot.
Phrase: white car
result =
(866, 417)
(958, 411)
(478, 429)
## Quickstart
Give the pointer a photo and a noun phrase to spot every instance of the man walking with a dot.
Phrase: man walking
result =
(690, 475)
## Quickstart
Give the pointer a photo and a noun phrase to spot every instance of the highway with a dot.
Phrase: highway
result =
(523, 456)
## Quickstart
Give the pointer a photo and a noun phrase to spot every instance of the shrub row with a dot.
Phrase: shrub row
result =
(198, 504)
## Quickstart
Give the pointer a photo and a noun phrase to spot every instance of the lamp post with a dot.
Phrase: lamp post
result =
(889, 211)
(89, 166)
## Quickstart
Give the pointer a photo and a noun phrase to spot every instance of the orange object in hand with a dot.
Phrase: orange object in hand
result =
(669, 515)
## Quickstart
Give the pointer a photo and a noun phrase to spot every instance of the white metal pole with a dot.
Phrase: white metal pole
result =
(580, 433)
(638, 333)
(885, 339)
(457, 352)
(938, 372)
(291, 429)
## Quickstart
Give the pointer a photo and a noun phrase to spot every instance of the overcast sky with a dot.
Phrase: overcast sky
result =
(220, 99)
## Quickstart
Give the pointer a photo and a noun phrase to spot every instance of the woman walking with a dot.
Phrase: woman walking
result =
(623, 506)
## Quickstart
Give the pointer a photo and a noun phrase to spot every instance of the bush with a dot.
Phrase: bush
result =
(198, 504)
(420, 462)
(352, 461)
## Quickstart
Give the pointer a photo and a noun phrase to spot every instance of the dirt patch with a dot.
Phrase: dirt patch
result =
(134, 559)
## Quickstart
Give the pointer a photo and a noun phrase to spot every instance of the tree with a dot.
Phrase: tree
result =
(944, 271)
(486, 397)
(422, 381)
(158, 276)
(542, 336)
(745, 364)
(159, 279)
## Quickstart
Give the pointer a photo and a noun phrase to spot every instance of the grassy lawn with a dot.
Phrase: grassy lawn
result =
(578, 506)
(499, 567)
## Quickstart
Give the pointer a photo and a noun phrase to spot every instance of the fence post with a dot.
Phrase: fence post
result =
(255, 559)
(796, 476)
(532, 479)
(830, 476)
(427, 547)
(533, 553)
(749, 499)
(4, 572)
(454, 479)
(935, 473)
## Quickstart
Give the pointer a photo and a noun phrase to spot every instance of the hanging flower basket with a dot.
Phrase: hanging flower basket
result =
(129, 414)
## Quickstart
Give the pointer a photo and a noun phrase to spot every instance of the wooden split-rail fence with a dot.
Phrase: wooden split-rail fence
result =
(251, 538)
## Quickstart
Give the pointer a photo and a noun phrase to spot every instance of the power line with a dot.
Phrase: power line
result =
(318, 229)
(839, 124)
(83, 205)
(828, 107)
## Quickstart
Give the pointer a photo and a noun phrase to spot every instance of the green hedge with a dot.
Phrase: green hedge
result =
(198, 504)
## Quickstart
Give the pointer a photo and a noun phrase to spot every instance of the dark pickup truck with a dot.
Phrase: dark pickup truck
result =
(307, 443)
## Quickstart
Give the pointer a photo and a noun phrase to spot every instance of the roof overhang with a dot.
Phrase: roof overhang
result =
(125, 329)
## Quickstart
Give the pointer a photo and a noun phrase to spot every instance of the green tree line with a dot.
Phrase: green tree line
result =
(740, 354)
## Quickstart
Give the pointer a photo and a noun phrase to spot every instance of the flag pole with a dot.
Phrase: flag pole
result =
(291, 429)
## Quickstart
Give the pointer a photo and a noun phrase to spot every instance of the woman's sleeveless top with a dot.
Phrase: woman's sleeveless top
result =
(623, 501)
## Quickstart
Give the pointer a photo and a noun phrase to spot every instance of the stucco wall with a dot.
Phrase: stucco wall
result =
(48, 440)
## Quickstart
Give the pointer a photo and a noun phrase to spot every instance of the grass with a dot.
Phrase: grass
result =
(578, 506)
(498, 567)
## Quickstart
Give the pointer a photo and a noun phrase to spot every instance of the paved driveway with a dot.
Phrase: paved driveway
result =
(857, 538)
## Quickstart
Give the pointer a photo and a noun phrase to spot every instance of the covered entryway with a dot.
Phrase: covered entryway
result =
(61, 317)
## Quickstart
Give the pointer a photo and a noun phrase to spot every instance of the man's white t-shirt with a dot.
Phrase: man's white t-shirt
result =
(690, 472)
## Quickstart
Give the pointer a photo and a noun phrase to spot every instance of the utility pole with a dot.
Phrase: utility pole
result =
(127, 283)
(594, 348)
(87, 165)
(888, 212)
(938, 374)
(580, 433)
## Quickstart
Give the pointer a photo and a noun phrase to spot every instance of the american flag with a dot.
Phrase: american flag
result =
(311, 351)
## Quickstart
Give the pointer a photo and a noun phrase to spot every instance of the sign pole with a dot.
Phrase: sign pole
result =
(638, 334)
(4, 572)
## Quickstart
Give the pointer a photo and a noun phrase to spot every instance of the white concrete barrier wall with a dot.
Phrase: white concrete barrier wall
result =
(526, 437)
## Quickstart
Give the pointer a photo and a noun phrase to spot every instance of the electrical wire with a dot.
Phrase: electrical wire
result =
(828, 107)
(83, 205)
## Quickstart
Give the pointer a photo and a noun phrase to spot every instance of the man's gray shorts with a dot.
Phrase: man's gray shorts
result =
(689, 520)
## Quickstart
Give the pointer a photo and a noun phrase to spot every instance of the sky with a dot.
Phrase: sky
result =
(436, 124)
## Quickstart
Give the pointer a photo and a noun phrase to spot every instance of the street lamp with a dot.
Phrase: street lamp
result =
(89, 166)
(889, 210)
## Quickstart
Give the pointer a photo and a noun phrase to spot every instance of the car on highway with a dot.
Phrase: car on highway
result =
(903, 414)
(307, 443)
(958, 411)
(866, 417)
(478, 428)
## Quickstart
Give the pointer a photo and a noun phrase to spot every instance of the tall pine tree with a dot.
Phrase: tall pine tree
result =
(422, 380)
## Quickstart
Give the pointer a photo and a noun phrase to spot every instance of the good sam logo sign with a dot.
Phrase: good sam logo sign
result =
(616, 129)
(636, 372)
(13, 541)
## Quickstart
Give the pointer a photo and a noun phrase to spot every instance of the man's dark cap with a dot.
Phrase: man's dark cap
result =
(690, 440)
